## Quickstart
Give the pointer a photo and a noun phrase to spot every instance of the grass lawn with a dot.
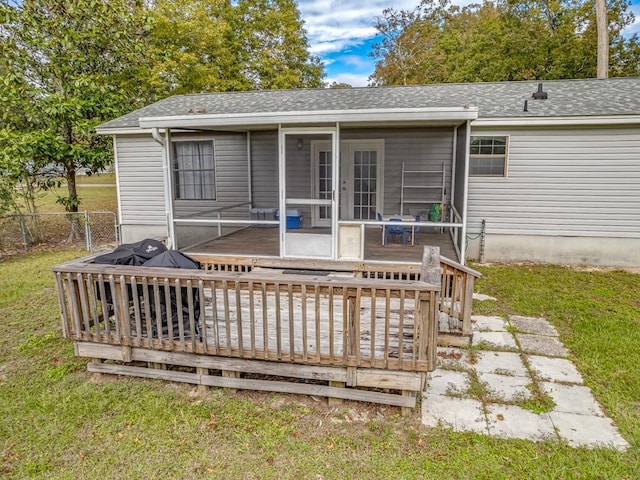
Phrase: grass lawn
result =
(93, 198)
(57, 421)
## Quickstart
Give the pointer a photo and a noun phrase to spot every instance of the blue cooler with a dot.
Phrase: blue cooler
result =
(294, 218)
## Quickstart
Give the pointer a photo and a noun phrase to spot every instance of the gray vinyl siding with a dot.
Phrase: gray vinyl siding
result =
(561, 181)
(420, 149)
(264, 169)
(141, 184)
(231, 176)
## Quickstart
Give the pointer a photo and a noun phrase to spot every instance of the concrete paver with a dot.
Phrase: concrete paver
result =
(572, 399)
(451, 357)
(497, 339)
(505, 363)
(587, 430)
(542, 345)
(538, 326)
(554, 369)
(481, 323)
(505, 387)
(481, 297)
(576, 418)
(511, 421)
(461, 414)
(443, 382)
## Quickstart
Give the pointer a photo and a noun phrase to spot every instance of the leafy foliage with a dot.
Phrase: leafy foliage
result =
(501, 40)
(272, 46)
(72, 64)
(212, 45)
(67, 66)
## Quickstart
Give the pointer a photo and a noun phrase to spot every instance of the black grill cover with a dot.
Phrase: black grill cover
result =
(152, 253)
(129, 254)
(132, 253)
(174, 259)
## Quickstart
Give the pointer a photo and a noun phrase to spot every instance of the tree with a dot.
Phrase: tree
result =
(68, 66)
(340, 85)
(191, 43)
(213, 45)
(271, 46)
(501, 40)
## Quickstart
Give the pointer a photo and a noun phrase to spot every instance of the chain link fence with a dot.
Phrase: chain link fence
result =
(89, 229)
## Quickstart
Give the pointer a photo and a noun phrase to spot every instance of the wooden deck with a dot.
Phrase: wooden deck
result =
(344, 327)
(259, 241)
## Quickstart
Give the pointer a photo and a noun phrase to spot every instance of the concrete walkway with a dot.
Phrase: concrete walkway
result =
(516, 382)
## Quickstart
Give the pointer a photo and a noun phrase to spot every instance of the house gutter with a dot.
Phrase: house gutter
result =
(317, 116)
(155, 133)
(557, 121)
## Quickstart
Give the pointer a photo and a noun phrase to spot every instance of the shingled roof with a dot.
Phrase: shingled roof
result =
(566, 98)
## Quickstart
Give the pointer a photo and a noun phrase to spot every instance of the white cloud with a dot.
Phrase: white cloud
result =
(355, 61)
(337, 44)
(353, 79)
(334, 25)
(635, 26)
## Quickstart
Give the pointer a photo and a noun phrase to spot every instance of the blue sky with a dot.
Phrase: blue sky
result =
(341, 33)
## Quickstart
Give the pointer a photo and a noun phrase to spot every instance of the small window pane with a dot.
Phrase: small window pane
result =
(194, 170)
(488, 156)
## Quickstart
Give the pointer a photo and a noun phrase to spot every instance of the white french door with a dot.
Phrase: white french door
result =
(362, 164)
(361, 179)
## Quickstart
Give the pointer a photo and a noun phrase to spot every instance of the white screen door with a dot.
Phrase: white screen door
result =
(323, 182)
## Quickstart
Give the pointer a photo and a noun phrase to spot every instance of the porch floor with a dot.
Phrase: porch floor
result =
(258, 241)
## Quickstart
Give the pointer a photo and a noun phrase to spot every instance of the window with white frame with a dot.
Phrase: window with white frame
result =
(488, 156)
(194, 170)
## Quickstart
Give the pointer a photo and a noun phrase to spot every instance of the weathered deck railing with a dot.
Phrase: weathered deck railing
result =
(456, 295)
(375, 323)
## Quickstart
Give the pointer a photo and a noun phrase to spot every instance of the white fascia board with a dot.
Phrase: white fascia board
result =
(122, 131)
(556, 121)
(319, 116)
(136, 131)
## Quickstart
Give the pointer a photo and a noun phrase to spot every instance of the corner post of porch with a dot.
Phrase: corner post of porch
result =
(430, 273)
(463, 236)
(335, 194)
(165, 143)
(282, 189)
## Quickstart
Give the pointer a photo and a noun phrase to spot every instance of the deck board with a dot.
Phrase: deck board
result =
(258, 241)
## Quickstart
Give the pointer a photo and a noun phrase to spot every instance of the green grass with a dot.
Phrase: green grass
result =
(92, 199)
(97, 179)
(57, 421)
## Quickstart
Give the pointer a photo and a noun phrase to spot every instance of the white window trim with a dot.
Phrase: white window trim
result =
(198, 138)
(506, 155)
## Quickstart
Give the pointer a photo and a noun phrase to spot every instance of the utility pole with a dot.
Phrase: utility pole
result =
(602, 25)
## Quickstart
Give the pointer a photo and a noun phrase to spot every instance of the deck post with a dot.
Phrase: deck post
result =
(428, 311)
(430, 271)
(202, 389)
(230, 374)
(332, 401)
(405, 411)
